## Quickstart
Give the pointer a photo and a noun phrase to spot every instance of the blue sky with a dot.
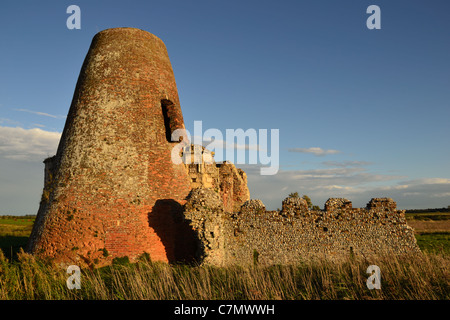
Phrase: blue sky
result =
(361, 113)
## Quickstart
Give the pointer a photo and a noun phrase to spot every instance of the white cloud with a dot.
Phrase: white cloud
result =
(356, 184)
(336, 176)
(431, 181)
(417, 193)
(315, 151)
(442, 195)
(345, 164)
(27, 144)
(39, 113)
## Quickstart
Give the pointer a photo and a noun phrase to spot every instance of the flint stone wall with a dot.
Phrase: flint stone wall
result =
(273, 237)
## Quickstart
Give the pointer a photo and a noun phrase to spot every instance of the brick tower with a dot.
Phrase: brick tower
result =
(112, 190)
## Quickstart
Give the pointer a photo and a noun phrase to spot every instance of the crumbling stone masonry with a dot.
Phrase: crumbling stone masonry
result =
(229, 181)
(112, 189)
(295, 233)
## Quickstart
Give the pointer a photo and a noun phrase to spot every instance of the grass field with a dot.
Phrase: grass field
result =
(428, 216)
(424, 277)
(432, 231)
(14, 233)
(436, 242)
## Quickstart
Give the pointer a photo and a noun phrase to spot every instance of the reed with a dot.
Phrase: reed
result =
(421, 277)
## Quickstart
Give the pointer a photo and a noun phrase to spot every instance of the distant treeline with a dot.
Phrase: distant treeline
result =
(28, 216)
(428, 210)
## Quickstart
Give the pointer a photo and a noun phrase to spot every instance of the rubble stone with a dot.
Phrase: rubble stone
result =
(253, 205)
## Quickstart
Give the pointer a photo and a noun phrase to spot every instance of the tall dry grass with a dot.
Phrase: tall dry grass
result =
(420, 277)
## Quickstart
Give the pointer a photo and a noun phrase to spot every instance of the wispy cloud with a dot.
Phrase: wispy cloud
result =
(39, 113)
(357, 184)
(346, 164)
(38, 125)
(335, 176)
(431, 181)
(315, 151)
(27, 144)
(9, 121)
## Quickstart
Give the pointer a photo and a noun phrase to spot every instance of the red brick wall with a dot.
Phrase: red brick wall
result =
(114, 185)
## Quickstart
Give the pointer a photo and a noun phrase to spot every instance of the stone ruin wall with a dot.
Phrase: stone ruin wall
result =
(295, 233)
(225, 178)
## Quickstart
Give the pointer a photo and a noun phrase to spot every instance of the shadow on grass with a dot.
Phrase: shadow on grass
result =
(10, 245)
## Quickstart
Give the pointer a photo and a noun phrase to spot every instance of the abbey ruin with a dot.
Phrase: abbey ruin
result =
(112, 190)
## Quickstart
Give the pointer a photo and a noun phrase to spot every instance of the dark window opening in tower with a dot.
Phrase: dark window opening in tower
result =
(169, 114)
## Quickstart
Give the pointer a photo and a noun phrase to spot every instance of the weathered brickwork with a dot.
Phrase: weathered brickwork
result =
(233, 186)
(202, 172)
(112, 189)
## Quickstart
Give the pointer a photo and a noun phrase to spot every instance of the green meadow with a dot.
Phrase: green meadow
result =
(424, 277)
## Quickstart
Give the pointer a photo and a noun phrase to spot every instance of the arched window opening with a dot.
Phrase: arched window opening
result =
(173, 119)
(166, 105)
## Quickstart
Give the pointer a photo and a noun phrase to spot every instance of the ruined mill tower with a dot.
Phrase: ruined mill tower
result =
(112, 190)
